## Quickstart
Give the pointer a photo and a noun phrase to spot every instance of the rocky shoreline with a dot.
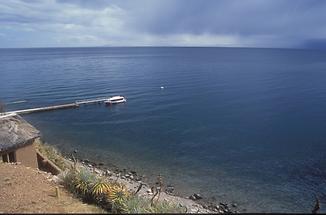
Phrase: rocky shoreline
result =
(195, 203)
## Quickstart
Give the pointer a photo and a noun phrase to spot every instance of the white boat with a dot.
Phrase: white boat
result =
(115, 100)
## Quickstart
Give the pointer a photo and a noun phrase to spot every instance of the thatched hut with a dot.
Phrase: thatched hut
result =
(16, 141)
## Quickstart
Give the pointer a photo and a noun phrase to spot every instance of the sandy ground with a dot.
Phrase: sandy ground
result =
(26, 190)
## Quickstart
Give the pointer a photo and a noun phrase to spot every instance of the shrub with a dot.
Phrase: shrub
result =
(112, 196)
(52, 154)
(68, 178)
(83, 182)
(165, 207)
(138, 204)
(100, 188)
(118, 195)
(79, 182)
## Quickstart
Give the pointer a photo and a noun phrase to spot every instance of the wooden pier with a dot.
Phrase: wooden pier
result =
(76, 104)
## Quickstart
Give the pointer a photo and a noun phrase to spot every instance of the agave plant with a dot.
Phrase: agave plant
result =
(100, 188)
(118, 195)
(83, 181)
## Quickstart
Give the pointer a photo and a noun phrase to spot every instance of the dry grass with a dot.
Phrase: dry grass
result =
(52, 154)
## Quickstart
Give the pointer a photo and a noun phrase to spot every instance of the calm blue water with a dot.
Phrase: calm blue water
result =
(241, 125)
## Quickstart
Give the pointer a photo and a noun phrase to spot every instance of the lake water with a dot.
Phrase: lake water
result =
(242, 125)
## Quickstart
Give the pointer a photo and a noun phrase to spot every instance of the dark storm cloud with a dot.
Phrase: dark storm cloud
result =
(296, 20)
(274, 23)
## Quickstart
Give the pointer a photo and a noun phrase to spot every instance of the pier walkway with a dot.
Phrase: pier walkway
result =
(75, 104)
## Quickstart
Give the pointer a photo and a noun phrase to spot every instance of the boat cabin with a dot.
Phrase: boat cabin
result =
(115, 100)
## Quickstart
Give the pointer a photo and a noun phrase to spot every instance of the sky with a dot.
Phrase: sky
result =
(226, 23)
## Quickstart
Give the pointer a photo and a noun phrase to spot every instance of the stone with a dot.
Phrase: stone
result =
(133, 172)
(169, 189)
(90, 165)
(108, 172)
(123, 177)
(217, 207)
(198, 196)
(192, 197)
(234, 205)
(131, 177)
(194, 210)
(224, 205)
(97, 171)
(56, 179)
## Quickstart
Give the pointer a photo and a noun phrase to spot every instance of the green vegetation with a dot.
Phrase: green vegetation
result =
(136, 204)
(112, 196)
(52, 154)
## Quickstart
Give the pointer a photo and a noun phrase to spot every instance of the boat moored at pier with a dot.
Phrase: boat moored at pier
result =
(115, 100)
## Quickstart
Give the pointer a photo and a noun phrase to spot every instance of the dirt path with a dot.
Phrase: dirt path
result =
(24, 189)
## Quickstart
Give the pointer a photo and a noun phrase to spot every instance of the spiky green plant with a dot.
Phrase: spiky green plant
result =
(101, 187)
(113, 197)
(118, 195)
(118, 192)
(83, 182)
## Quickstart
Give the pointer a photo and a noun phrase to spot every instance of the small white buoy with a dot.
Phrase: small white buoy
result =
(162, 87)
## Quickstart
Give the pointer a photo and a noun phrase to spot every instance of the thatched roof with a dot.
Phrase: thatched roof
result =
(15, 132)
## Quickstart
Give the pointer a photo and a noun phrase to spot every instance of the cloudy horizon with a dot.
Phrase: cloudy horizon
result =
(226, 23)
